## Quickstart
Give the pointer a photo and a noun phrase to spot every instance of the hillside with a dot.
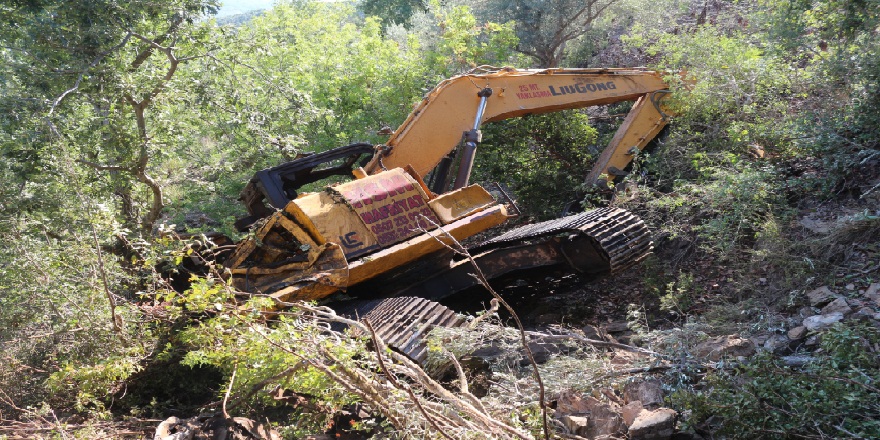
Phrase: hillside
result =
(130, 129)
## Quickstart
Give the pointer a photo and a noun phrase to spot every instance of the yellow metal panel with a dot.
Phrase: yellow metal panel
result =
(642, 124)
(461, 203)
(328, 274)
(336, 221)
(424, 244)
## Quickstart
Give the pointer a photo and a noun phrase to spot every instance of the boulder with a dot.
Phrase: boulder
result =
(605, 421)
(821, 296)
(839, 305)
(822, 322)
(592, 332)
(576, 425)
(576, 404)
(724, 346)
(806, 311)
(653, 425)
(797, 333)
(873, 293)
(647, 392)
(631, 411)
(777, 344)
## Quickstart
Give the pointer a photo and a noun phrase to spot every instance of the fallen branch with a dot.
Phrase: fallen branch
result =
(380, 348)
(481, 277)
(594, 342)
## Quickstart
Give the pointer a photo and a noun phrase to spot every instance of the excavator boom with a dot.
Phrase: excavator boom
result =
(435, 126)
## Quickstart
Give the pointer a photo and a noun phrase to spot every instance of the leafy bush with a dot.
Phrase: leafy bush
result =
(834, 395)
(543, 158)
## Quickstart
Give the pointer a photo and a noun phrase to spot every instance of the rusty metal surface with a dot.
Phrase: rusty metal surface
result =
(402, 322)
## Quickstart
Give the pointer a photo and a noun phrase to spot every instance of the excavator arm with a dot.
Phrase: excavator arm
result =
(462, 103)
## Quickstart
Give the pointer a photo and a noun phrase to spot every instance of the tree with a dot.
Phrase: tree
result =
(84, 88)
(84, 76)
(545, 27)
(393, 11)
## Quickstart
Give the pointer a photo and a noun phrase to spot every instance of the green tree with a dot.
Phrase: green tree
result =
(543, 159)
(84, 85)
(87, 74)
(545, 28)
(393, 11)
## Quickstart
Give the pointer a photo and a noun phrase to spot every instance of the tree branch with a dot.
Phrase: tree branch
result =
(100, 167)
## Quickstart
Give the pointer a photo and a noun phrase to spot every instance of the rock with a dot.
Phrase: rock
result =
(540, 353)
(797, 333)
(174, 428)
(873, 293)
(821, 322)
(839, 305)
(576, 404)
(653, 425)
(864, 313)
(821, 296)
(488, 351)
(648, 392)
(806, 311)
(797, 361)
(777, 343)
(631, 411)
(605, 421)
(575, 424)
(543, 351)
(617, 327)
(850, 286)
(591, 332)
(760, 338)
(724, 346)
(214, 427)
(588, 417)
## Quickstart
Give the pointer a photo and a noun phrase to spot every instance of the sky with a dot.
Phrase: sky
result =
(232, 7)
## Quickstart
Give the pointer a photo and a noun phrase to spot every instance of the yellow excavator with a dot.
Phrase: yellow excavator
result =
(386, 230)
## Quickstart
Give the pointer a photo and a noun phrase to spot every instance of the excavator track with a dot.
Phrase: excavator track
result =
(600, 242)
(620, 237)
(402, 322)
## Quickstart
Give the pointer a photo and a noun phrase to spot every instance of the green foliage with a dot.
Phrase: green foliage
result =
(283, 355)
(834, 394)
(543, 158)
(393, 11)
(544, 28)
(679, 294)
(58, 340)
(454, 41)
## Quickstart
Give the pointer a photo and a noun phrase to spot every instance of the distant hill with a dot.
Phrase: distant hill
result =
(239, 19)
